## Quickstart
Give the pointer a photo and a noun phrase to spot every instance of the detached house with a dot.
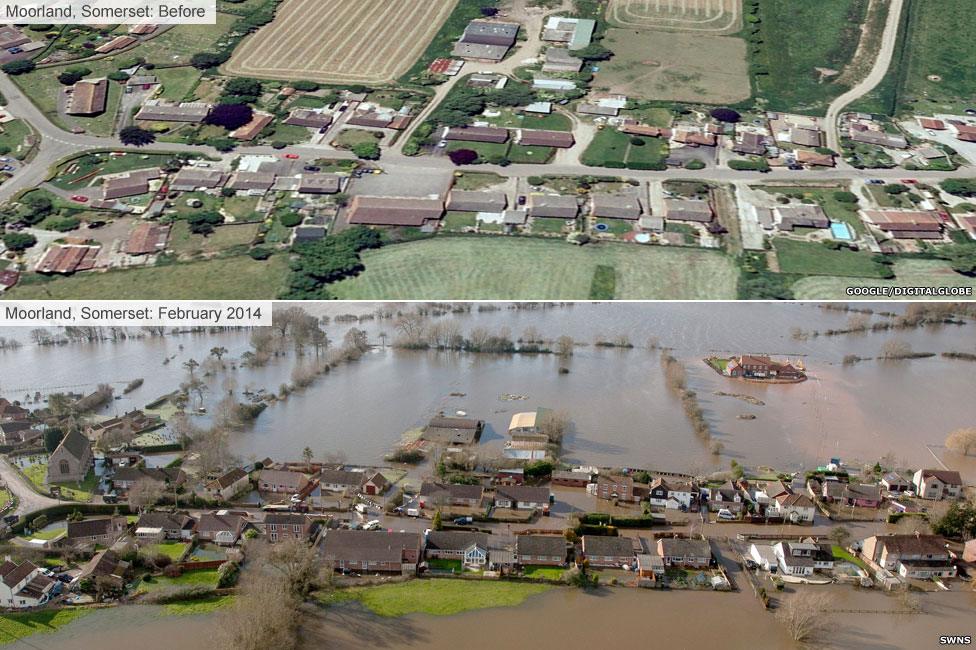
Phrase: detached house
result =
(937, 484)
(170, 525)
(282, 481)
(803, 558)
(279, 526)
(434, 494)
(727, 496)
(340, 480)
(910, 556)
(606, 551)
(102, 530)
(795, 508)
(221, 527)
(895, 482)
(372, 551)
(614, 486)
(24, 585)
(673, 495)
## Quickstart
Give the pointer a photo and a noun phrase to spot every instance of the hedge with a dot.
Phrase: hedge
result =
(64, 509)
(603, 519)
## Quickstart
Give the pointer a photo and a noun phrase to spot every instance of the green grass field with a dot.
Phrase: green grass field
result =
(230, 278)
(798, 38)
(43, 88)
(179, 43)
(177, 82)
(20, 625)
(201, 577)
(931, 70)
(813, 258)
(544, 572)
(14, 138)
(462, 268)
(198, 606)
(437, 597)
(183, 242)
(172, 550)
(908, 273)
(612, 146)
(840, 554)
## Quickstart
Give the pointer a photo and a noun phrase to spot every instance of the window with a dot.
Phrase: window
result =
(64, 467)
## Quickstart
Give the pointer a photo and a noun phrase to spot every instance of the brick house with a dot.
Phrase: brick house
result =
(682, 552)
(372, 551)
(282, 481)
(614, 486)
(606, 551)
(548, 550)
(470, 547)
(228, 485)
(172, 525)
(222, 527)
(911, 556)
(279, 526)
(522, 497)
(433, 494)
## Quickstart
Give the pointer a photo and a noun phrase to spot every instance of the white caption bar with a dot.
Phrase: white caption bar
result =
(135, 313)
(109, 12)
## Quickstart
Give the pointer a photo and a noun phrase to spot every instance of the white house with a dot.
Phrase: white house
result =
(765, 556)
(794, 559)
(23, 585)
(937, 484)
(795, 508)
(228, 485)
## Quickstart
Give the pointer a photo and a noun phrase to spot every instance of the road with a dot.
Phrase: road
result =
(877, 73)
(27, 499)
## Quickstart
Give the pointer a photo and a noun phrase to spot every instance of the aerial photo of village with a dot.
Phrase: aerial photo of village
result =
(494, 149)
(484, 475)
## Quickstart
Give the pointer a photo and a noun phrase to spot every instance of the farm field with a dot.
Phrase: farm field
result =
(176, 45)
(908, 273)
(805, 48)
(717, 17)
(231, 278)
(464, 268)
(335, 41)
(675, 66)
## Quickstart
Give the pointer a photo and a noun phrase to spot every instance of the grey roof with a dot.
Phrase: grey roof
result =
(454, 490)
(229, 478)
(165, 520)
(523, 493)
(687, 210)
(608, 546)
(193, 177)
(490, 33)
(91, 527)
(319, 183)
(76, 444)
(480, 51)
(132, 474)
(213, 522)
(553, 205)
(369, 545)
(618, 206)
(473, 201)
(540, 545)
(679, 547)
(455, 540)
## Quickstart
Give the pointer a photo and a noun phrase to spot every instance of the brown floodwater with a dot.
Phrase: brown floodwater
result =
(559, 619)
(622, 413)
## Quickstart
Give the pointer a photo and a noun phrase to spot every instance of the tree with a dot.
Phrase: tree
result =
(71, 76)
(218, 352)
(230, 116)
(896, 349)
(136, 137)
(436, 522)
(959, 521)
(52, 438)
(959, 186)
(725, 115)
(204, 60)
(593, 52)
(366, 150)
(18, 241)
(265, 614)
(564, 346)
(804, 615)
(22, 66)
(962, 441)
(839, 535)
(962, 258)
(243, 86)
(845, 197)
(202, 223)
(307, 455)
(463, 156)
(145, 493)
(895, 188)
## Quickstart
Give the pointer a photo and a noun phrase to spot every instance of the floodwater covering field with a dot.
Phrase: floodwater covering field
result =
(621, 410)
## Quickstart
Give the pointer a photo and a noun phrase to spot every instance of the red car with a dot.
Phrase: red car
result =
(909, 181)
(79, 198)
(291, 156)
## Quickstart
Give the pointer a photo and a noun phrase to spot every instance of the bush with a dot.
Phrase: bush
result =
(290, 219)
(725, 115)
(202, 223)
(845, 197)
(135, 136)
(227, 575)
(172, 571)
(694, 164)
(18, 67)
(536, 180)
(18, 241)
(463, 156)
(260, 253)
(204, 60)
(367, 150)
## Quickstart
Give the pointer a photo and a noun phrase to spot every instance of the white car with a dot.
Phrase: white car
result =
(371, 525)
(725, 514)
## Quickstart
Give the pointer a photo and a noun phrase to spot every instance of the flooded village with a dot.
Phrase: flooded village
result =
(427, 474)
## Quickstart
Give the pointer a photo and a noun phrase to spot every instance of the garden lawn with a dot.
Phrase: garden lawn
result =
(544, 572)
(457, 221)
(200, 577)
(37, 473)
(810, 258)
(178, 83)
(198, 605)
(172, 550)
(80, 491)
(20, 625)
(530, 154)
(226, 278)
(445, 565)
(611, 148)
(908, 273)
(462, 268)
(437, 596)
(184, 242)
(14, 138)
(841, 554)
(44, 534)
(836, 210)
(85, 168)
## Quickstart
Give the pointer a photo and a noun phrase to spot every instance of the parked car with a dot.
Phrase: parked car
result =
(521, 199)
(291, 156)
(725, 514)
(463, 521)
(312, 168)
(361, 508)
(323, 129)
(909, 181)
(876, 181)
(79, 198)
(372, 525)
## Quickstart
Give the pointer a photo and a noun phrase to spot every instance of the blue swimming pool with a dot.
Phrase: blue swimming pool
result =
(841, 230)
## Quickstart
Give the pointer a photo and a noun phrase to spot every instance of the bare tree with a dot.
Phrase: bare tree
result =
(804, 614)
(553, 424)
(564, 346)
(145, 493)
(266, 614)
(962, 441)
(839, 535)
(895, 349)
(291, 560)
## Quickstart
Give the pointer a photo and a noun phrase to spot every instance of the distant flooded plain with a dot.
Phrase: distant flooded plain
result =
(621, 409)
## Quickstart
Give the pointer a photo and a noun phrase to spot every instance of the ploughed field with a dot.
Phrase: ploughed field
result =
(338, 41)
(698, 16)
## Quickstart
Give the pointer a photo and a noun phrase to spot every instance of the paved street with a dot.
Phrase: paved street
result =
(27, 499)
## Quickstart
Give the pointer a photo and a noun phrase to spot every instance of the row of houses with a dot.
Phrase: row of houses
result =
(401, 553)
(500, 135)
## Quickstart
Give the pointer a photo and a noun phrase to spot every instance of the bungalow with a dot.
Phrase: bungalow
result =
(683, 552)
(433, 495)
(911, 556)
(606, 551)
(553, 206)
(559, 59)
(340, 480)
(147, 238)
(688, 210)
(452, 431)
(372, 551)
(806, 137)
(814, 159)
(906, 224)
(801, 216)
(100, 530)
(616, 206)
(249, 131)
(549, 550)
(228, 485)
(477, 134)
(88, 97)
(133, 183)
(466, 201)
(24, 585)
(105, 564)
(173, 525)
(751, 144)
(522, 497)
(937, 484)
(650, 565)
(765, 556)
(279, 526)
(255, 183)
(282, 481)
(310, 118)
(158, 110)
(470, 547)
(727, 496)
(190, 179)
(222, 527)
(571, 478)
(319, 184)
(394, 211)
(597, 109)
(539, 138)
(863, 496)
